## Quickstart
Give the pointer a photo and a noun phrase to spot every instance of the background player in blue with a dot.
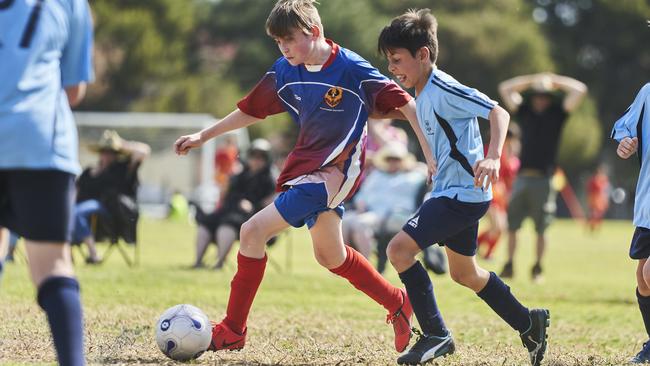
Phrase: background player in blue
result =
(329, 91)
(632, 131)
(45, 58)
(447, 112)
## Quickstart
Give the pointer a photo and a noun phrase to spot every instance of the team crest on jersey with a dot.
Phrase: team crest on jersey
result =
(333, 96)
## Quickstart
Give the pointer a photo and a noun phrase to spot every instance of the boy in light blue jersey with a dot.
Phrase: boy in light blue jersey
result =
(45, 58)
(632, 131)
(447, 112)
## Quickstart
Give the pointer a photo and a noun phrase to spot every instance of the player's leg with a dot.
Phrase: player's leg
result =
(640, 249)
(251, 262)
(42, 203)
(501, 222)
(226, 236)
(346, 262)
(436, 219)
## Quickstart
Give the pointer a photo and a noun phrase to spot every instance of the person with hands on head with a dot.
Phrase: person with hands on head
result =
(447, 112)
(541, 103)
(330, 92)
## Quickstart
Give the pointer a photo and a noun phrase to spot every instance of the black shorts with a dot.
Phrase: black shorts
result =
(447, 222)
(37, 204)
(640, 246)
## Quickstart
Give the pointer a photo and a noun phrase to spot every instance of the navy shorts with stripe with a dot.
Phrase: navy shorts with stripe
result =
(301, 204)
(37, 204)
(640, 246)
(447, 222)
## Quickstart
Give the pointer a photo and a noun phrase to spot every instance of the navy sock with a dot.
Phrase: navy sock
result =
(498, 296)
(59, 297)
(644, 306)
(420, 291)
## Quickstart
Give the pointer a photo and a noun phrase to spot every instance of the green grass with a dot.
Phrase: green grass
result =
(309, 316)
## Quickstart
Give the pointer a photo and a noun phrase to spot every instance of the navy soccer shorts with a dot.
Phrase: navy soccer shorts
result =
(447, 222)
(37, 204)
(640, 246)
(301, 204)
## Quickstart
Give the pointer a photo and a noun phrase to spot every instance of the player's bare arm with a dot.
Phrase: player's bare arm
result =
(487, 170)
(75, 93)
(627, 147)
(236, 119)
(408, 110)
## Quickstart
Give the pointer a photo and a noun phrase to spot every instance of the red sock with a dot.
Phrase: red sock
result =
(492, 243)
(482, 238)
(365, 278)
(243, 288)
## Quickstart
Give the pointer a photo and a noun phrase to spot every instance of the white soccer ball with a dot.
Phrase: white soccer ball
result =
(183, 332)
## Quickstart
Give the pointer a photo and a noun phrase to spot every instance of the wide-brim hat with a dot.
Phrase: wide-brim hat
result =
(393, 150)
(110, 141)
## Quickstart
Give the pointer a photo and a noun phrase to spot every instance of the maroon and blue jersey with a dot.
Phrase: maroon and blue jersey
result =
(330, 105)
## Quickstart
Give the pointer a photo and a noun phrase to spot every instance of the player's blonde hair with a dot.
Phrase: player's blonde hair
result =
(412, 30)
(288, 15)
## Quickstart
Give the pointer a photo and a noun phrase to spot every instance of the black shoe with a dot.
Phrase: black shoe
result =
(426, 349)
(507, 272)
(644, 355)
(536, 272)
(534, 339)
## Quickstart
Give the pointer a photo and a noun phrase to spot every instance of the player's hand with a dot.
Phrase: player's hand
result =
(185, 143)
(486, 171)
(627, 147)
(432, 169)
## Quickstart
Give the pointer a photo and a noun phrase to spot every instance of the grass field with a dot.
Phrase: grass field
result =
(309, 316)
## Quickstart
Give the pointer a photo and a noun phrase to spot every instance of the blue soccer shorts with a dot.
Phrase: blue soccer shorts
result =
(640, 246)
(447, 222)
(37, 204)
(301, 204)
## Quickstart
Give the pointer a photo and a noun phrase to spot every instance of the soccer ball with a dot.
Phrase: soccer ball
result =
(183, 332)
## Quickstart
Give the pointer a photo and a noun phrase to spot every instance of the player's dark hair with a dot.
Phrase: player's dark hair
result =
(288, 15)
(412, 30)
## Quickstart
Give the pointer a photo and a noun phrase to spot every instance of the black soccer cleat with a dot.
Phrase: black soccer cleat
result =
(534, 339)
(643, 356)
(426, 349)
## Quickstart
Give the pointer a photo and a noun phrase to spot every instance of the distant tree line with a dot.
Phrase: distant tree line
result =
(204, 55)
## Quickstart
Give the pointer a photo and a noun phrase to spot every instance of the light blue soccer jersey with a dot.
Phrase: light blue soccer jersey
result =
(447, 112)
(636, 123)
(45, 45)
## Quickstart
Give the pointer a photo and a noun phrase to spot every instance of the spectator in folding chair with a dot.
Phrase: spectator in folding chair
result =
(247, 192)
(108, 190)
(388, 194)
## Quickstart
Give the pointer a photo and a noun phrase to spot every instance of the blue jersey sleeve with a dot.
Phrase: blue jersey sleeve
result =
(460, 102)
(76, 59)
(627, 125)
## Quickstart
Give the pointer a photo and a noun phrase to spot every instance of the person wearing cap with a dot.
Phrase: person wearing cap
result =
(99, 187)
(377, 201)
(246, 193)
(541, 103)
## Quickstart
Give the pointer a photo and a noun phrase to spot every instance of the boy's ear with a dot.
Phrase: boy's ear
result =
(315, 31)
(423, 54)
